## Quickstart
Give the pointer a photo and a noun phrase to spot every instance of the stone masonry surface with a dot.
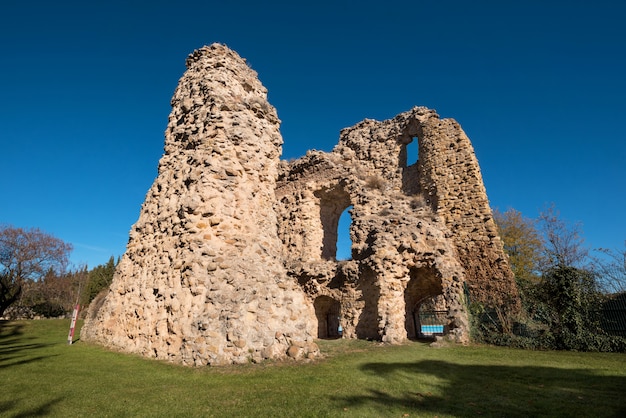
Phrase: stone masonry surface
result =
(233, 257)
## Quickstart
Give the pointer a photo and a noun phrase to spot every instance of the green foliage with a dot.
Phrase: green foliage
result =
(43, 376)
(48, 309)
(56, 294)
(100, 278)
(523, 244)
(561, 302)
(574, 300)
(562, 312)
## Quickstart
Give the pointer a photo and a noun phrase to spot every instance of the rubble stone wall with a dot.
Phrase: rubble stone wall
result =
(233, 257)
(420, 231)
(201, 282)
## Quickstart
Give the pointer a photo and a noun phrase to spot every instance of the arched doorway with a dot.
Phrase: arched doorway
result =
(421, 300)
(327, 312)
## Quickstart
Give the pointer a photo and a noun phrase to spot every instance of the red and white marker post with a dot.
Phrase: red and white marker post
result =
(70, 336)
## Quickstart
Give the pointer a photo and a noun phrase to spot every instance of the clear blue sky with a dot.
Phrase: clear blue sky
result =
(538, 86)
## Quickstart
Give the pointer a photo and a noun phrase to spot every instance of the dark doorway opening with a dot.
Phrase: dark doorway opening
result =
(420, 296)
(327, 312)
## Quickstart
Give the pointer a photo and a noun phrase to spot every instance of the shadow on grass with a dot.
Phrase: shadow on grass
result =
(16, 348)
(477, 390)
(10, 329)
(39, 411)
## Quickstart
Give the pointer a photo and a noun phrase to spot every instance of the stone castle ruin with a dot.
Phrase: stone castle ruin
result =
(233, 257)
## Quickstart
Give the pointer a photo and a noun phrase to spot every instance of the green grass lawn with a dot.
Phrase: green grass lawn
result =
(40, 375)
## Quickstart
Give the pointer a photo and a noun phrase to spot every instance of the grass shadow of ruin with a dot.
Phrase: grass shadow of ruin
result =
(478, 390)
(10, 329)
(17, 349)
(37, 411)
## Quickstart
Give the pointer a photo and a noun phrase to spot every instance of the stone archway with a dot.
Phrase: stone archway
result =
(333, 202)
(327, 312)
(423, 285)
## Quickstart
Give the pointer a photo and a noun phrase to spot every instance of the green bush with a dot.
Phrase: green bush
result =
(48, 309)
(100, 278)
(561, 312)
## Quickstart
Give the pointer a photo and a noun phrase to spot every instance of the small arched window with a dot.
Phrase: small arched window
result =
(334, 204)
(344, 242)
(412, 152)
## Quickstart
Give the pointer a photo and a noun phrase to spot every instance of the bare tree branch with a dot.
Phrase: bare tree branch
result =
(565, 245)
(27, 255)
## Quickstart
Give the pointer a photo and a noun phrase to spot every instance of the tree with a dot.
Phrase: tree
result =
(523, 244)
(26, 255)
(565, 245)
(574, 299)
(611, 269)
(54, 294)
(560, 291)
(100, 277)
(536, 246)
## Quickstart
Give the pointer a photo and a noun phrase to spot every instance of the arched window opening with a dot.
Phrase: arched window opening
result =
(333, 203)
(409, 158)
(327, 312)
(344, 242)
(412, 152)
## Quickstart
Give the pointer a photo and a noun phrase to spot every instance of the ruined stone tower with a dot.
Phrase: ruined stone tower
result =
(201, 281)
(233, 257)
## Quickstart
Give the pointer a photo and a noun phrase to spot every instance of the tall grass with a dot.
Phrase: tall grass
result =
(42, 375)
